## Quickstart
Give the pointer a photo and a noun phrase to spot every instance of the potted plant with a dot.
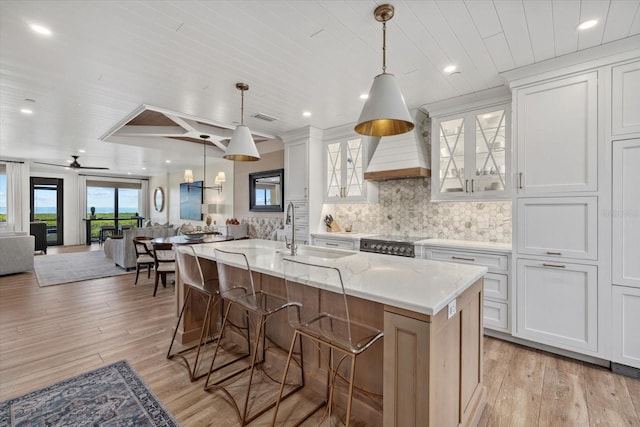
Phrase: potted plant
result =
(93, 212)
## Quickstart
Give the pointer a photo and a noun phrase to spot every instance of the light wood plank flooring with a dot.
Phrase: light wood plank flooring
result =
(52, 333)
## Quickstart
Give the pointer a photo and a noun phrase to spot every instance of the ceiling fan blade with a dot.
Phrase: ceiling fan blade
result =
(52, 164)
(90, 167)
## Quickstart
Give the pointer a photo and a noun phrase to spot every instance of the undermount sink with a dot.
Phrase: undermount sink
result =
(317, 252)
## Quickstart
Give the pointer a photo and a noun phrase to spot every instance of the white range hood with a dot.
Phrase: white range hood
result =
(402, 156)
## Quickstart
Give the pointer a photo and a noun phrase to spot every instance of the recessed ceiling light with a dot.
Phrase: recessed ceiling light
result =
(69, 160)
(449, 68)
(81, 151)
(588, 24)
(307, 113)
(41, 30)
(144, 169)
(364, 96)
(167, 161)
(26, 111)
(128, 173)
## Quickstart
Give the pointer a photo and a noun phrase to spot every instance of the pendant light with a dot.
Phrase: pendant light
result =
(242, 148)
(385, 112)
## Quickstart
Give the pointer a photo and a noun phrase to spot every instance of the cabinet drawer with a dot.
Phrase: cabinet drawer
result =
(334, 243)
(496, 286)
(557, 304)
(563, 227)
(496, 315)
(299, 206)
(494, 262)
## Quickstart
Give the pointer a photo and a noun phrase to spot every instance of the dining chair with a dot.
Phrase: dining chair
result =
(164, 263)
(328, 325)
(144, 257)
(237, 288)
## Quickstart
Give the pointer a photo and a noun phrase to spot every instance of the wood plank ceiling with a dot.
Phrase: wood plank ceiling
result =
(106, 59)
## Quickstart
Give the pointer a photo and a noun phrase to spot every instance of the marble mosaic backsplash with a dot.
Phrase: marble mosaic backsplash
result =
(404, 207)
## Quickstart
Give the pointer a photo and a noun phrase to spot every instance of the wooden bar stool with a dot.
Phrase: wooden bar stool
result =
(326, 324)
(237, 288)
(164, 263)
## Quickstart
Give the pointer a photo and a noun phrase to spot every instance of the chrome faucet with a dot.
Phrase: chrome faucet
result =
(291, 214)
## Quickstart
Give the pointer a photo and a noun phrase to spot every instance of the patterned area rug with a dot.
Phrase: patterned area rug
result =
(74, 267)
(113, 395)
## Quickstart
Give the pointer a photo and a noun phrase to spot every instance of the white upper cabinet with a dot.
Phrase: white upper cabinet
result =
(296, 176)
(557, 127)
(346, 156)
(626, 213)
(625, 99)
(471, 154)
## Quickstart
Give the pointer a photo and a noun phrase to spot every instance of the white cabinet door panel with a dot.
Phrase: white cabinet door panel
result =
(626, 213)
(296, 174)
(626, 320)
(495, 315)
(625, 100)
(563, 227)
(496, 286)
(557, 304)
(557, 128)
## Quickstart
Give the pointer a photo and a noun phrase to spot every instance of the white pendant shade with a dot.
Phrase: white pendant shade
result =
(242, 148)
(188, 176)
(385, 112)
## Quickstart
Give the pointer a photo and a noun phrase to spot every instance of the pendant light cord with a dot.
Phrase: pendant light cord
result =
(242, 107)
(384, 47)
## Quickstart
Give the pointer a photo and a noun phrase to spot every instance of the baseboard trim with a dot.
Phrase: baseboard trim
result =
(627, 371)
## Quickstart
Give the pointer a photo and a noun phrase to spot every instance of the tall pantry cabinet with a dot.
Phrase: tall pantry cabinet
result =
(302, 154)
(565, 122)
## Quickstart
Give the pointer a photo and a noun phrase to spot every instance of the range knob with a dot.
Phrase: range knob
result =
(401, 249)
(409, 251)
(384, 248)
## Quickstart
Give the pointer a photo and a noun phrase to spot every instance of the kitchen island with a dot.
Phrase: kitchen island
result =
(429, 368)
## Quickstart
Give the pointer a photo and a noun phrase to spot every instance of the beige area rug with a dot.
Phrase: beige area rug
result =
(74, 267)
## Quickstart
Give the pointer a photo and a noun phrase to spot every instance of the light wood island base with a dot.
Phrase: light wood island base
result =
(428, 369)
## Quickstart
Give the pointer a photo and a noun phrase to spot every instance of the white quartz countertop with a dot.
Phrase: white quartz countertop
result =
(343, 235)
(423, 286)
(443, 243)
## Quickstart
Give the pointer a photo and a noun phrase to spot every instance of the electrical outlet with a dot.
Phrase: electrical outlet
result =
(451, 309)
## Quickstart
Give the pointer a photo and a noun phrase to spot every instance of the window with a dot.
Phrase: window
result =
(3, 193)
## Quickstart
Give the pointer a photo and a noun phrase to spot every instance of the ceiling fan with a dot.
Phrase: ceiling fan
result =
(72, 165)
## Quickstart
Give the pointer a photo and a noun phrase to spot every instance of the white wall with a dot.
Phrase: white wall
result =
(170, 183)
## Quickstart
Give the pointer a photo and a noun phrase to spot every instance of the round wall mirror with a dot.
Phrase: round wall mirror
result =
(158, 199)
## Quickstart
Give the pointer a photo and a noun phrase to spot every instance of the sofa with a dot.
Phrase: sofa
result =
(121, 250)
(16, 252)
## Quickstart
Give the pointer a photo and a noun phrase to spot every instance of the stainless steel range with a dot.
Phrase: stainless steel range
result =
(391, 245)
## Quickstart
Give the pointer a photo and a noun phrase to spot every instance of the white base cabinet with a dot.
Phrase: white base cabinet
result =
(496, 282)
(626, 321)
(557, 304)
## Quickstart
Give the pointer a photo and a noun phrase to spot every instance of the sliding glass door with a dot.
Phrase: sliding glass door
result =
(114, 204)
(47, 205)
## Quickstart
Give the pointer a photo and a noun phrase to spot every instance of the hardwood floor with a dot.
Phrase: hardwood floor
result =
(52, 333)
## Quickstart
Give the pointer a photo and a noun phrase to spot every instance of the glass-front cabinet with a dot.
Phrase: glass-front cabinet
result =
(471, 154)
(346, 158)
